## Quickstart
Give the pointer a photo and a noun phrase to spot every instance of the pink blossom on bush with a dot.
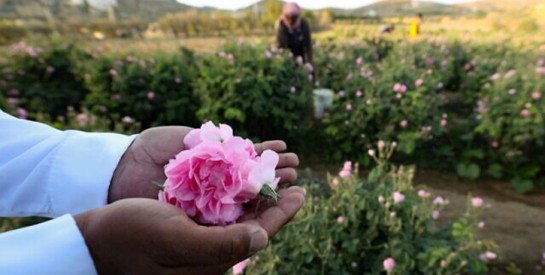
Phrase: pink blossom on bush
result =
(359, 93)
(525, 113)
(536, 95)
(113, 72)
(477, 202)
(418, 82)
(389, 264)
(495, 76)
(404, 123)
(435, 214)
(217, 174)
(347, 165)
(399, 88)
(341, 93)
(444, 122)
(348, 107)
(340, 219)
(381, 144)
(359, 60)
(371, 152)
(268, 54)
(495, 144)
(488, 256)
(335, 182)
(150, 95)
(12, 101)
(423, 194)
(380, 199)
(480, 225)
(22, 113)
(50, 70)
(344, 174)
(540, 70)
(510, 74)
(398, 197)
(127, 120)
(439, 200)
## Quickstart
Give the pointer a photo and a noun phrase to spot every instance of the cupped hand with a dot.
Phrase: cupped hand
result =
(143, 162)
(144, 236)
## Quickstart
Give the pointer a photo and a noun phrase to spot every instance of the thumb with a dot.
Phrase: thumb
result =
(234, 243)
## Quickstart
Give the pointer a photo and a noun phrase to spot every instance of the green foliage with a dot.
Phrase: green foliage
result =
(476, 109)
(353, 226)
(261, 93)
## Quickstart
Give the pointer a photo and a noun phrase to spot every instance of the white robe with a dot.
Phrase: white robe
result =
(52, 173)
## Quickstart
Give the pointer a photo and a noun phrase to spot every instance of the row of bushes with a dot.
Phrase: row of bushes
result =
(475, 109)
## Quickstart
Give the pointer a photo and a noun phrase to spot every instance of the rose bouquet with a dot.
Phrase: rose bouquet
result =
(216, 174)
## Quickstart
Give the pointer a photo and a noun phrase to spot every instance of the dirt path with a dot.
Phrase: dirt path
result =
(515, 222)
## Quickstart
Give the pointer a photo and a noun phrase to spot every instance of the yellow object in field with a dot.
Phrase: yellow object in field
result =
(414, 29)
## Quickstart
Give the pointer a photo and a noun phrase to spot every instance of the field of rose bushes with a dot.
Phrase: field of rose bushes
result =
(472, 108)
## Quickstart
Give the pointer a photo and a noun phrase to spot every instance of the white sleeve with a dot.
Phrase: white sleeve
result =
(47, 172)
(53, 247)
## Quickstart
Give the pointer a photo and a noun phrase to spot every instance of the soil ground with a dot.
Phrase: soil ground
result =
(515, 222)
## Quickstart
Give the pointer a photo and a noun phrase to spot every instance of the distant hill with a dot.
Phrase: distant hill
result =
(148, 9)
(501, 5)
(388, 8)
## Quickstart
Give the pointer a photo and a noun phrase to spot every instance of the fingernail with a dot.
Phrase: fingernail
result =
(259, 241)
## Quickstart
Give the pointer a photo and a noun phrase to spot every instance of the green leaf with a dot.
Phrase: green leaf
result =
(522, 185)
(268, 192)
(495, 170)
(468, 170)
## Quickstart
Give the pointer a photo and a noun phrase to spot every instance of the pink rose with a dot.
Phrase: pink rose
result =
(150, 95)
(344, 174)
(217, 174)
(348, 107)
(444, 122)
(477, 202)
(347, 165)
(340, 219)
(404, 123)
(423, 194)
(398, 197)
(418, 82)
(435, 214)
(22, 113)
(359, 93)
(525, 113)
(381, 144)
(389, 264)
(335, 182)
(536, 95)
(359, 60)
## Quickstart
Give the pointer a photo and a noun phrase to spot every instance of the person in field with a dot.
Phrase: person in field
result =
(293, 32)
(414, 29)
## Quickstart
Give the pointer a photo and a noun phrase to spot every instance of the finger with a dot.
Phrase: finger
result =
(287, 160)
(230, 244)
(274, 218)
(275, 145)
(286, 175)
(162, 143)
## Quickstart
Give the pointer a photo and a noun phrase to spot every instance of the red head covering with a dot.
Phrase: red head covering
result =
(291, 9)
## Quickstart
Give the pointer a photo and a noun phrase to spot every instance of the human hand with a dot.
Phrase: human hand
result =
(144, 236)
(143, 162)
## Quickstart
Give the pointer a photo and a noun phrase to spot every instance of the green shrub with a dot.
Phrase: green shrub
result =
(351, 225)
(263, 94)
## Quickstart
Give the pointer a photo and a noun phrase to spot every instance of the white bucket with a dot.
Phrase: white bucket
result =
(323, 98)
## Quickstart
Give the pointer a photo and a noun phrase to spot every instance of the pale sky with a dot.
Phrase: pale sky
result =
(309, 4)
